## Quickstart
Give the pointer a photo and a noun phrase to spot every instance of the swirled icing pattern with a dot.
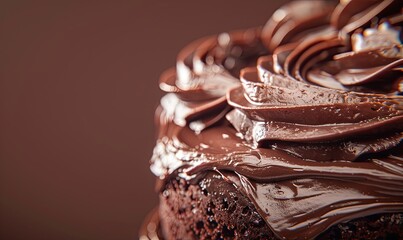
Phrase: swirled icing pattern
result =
(306, 111)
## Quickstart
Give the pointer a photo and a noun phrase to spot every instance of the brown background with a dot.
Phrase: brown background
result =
(78, 89)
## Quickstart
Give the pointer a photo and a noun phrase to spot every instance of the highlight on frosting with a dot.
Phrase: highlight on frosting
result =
(311, 103)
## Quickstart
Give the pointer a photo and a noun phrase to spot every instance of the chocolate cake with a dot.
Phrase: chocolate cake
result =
(287, 131)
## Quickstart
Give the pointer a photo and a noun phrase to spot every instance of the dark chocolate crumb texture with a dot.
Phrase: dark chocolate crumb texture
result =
(288, 131)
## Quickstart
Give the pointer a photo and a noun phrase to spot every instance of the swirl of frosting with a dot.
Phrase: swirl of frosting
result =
(315, 122)
(326, 92)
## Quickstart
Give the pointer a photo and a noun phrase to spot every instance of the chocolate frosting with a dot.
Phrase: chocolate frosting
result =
(304, 116)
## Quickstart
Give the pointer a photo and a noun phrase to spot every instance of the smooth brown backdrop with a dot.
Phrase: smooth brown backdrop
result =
(78, 89)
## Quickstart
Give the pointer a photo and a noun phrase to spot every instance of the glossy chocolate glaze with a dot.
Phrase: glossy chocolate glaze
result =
(311, 131)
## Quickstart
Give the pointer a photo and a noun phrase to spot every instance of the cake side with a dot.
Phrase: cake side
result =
(214, 209)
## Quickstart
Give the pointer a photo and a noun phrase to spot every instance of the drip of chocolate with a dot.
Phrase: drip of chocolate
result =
(311, 132)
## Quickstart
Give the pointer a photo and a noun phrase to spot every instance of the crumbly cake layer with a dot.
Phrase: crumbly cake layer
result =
(210, 209)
